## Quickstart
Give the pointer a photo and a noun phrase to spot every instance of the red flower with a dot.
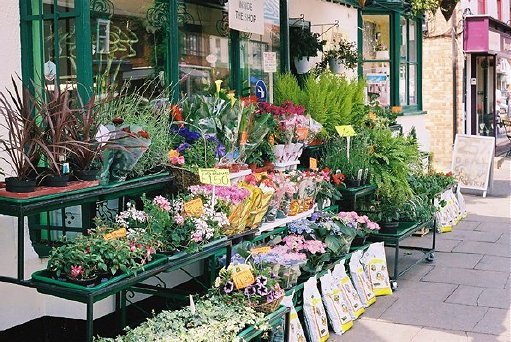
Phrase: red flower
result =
(126, 129)
(143, 134)
(251, 179)
(176, 112)
(449, 174)
(338, 178)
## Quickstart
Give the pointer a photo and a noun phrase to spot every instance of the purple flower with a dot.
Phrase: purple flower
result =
(270, 297)
(262, 290)
(250, 291)
(189, 136)
(181, 148)
(220, 150)
(261, 280)
(229, 287)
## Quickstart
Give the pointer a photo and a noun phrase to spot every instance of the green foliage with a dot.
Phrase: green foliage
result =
(335, 156)
(345, 52)
(304, 43)
(329, 99)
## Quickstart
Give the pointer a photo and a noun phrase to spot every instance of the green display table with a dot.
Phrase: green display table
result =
(405, 230)
(350, 196)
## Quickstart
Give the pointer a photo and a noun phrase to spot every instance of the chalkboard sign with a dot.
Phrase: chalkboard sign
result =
(472, 161)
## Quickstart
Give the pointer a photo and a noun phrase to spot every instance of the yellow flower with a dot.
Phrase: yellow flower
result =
(172, 154)
(372, 116)
(231, 97)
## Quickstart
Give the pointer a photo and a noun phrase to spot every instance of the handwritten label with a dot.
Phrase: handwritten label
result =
(313, 163)
(115, 234)
(261, 250)
(345, 131)
(243, 279)
(194, 207)
(269, 61)
(215, 177)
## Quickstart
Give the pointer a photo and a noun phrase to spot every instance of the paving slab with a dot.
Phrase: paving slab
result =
(475, 337)
(495, 298)
(422, 312)
(429, 335)
(503, 226)
(466, 295)
(494, 263)
(488, 248)
(377, 310)
(461, 260)
(442, 245)
(486, 236)
(377, 331)
(466, 225)
(412, 291)
(488, 221)
(418, 272)
(462, 276)
(494, 322)
(505, 238)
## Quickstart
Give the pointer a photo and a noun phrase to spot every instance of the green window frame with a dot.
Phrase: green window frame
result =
(32, 20)
(395, 17)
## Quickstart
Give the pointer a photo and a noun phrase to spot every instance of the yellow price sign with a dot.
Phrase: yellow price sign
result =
(243, 279)
(194, 207)
(219, 177)
(313, 163)
(345, 131)
(261, 250)
(115, 234)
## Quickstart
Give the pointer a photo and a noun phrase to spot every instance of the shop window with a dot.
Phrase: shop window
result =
(204, 47)
(253, 47)
(376, 55)
(408, 63)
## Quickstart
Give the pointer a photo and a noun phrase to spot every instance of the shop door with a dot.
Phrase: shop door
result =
(483, 105)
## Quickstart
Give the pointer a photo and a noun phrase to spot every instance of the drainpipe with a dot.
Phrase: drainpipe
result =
(454, 77)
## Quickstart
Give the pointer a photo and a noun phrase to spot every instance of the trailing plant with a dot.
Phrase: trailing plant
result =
(22, 140)
(344, 52)
(304, 43)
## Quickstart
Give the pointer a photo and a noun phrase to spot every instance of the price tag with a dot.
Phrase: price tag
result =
(115, 234)
(313, 163)
(261, 250)
(215, 177)
(345, 131)
(243, 279)
(194, 207)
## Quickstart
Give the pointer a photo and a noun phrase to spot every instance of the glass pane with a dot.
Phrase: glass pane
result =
(403, 89)
(412, 84)
(404, 39)
(253, 48)
(378, 81)
(204, 48)
(412, 42)
(376, 37)
(49, 5)
(128, 42)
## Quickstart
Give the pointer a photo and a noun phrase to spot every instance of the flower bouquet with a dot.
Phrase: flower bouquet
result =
(124, 145)
(254, 286)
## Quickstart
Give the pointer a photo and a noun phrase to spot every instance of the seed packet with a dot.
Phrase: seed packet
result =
(375, 263)
(361, 280)
(336, 306)
(348, 290)
(314, 312)
(294, 326)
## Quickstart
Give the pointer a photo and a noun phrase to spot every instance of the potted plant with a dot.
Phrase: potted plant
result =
(343, 55)
(304, 44)
(22, 142)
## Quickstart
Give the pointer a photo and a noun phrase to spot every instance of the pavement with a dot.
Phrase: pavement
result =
(464, 294)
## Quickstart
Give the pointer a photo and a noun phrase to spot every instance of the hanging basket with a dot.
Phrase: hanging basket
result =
(183, 178)
(267, 307)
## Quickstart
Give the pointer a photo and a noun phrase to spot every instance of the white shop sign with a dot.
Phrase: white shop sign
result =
(270, 61)
(247, 16)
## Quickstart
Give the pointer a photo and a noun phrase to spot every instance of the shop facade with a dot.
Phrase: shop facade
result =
(487, 43)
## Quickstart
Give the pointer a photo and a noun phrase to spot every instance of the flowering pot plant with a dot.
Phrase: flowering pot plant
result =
(74, 261)
(252, 285)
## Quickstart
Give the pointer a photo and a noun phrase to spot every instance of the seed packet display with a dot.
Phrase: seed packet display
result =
(336, 306)
(296, 333)
(361, 281)
(375, 264)
(314, 312)
(348, 290)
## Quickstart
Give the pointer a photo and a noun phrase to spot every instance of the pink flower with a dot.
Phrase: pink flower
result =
(177, 160)
(314, 246)
(133, 247)
(149, 250)
(162, 203)
(179, 219)
(196, 236)
(295, 242)
(76, 271)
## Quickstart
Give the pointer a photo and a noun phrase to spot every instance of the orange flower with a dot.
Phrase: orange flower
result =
(173, 154)
(372, 116)
(338, 178)
(271, 139)
(143, 134)
(176, 112)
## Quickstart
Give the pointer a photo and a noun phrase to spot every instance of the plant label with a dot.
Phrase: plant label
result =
(219, 177)
(194, 207)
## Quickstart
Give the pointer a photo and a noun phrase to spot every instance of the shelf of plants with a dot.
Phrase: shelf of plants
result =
(297, 245)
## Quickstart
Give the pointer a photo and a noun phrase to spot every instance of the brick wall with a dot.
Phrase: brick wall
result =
(437, 88)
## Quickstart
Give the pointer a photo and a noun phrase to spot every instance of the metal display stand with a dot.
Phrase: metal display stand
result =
(351, 195)
(405, 230)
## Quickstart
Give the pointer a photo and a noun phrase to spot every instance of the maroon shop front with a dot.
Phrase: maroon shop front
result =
(487, 43)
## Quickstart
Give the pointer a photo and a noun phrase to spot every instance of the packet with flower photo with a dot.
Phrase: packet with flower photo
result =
(336, 305)
(294, 326)
(314, 312)
(375, 264)
(348, 290)
(361, 280)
